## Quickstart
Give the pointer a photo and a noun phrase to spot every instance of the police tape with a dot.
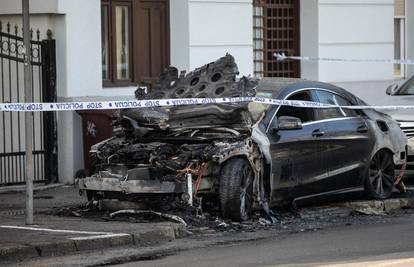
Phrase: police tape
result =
(282, 56)
(128, 104)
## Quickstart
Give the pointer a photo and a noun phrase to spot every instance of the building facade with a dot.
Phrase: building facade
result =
(105, 48)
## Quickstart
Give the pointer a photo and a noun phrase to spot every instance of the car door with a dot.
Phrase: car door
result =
(350, 142)
(297, 155)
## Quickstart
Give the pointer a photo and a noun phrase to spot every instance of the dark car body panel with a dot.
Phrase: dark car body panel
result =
(298, 157)
(306, 164)
(349, 150)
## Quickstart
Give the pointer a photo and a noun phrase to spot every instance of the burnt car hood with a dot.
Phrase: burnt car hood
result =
(187, 117)
(213, 80)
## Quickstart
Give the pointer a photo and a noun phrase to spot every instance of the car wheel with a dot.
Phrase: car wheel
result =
(236, 189)
(379, 182)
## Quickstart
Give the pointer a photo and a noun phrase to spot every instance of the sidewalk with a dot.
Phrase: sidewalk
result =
(55, 235)
(61, 235)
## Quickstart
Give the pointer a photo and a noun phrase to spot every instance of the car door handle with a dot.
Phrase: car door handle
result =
(362, 129)
(318, 133)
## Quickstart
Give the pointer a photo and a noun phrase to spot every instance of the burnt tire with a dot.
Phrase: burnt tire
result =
(236, 189)
(379, 182)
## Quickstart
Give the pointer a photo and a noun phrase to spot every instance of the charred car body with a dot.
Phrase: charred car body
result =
(247, 155)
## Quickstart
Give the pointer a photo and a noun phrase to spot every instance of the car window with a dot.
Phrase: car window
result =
(334, 99)
(304, 114)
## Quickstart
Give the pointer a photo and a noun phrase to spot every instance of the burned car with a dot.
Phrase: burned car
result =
(246, 155)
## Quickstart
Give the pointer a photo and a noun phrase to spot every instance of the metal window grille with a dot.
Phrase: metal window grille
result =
(275, 30)
(399, 8)
(258, 41)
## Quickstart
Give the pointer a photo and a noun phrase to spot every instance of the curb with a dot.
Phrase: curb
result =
(18, 252)
(378, 207)
(367, 207)
(68, 246)
(22, 188)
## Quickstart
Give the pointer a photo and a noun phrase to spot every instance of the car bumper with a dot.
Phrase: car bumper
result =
(408, 128)
(131, 186)
(410, 149)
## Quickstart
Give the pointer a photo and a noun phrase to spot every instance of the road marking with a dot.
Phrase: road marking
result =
(377, 263)
(53, 230)
(97, 236)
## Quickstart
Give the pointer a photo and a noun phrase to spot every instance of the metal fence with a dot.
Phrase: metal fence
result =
(12, 127)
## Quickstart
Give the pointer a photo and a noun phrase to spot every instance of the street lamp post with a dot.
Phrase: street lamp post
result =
(28, 115)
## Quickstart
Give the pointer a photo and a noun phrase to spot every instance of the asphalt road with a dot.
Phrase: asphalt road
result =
(354, 241)
(390, 244)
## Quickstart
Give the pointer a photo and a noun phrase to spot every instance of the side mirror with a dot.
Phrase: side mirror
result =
(392, 89)
(287, 123)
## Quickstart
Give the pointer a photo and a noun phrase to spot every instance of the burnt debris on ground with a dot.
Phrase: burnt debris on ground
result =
(311, 218)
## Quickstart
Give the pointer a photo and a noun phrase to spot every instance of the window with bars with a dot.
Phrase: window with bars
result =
(275, 30)
(399, 8)
(258, 41)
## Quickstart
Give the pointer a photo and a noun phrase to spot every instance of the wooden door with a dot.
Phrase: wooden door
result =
(151, 40)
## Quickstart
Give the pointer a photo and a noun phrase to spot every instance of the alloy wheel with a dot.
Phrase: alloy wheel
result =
(381, 174)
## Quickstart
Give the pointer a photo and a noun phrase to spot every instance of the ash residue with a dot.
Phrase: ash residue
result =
(66, 203)
(207, 219)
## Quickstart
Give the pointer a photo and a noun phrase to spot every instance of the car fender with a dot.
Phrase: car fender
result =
(392, 139)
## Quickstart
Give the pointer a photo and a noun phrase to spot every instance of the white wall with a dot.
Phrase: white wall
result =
(179, 34)
(217, 27)
(410, 35)
(41, 22)
(309, 38)
(14, 7)
(70, 145)
(361, 29)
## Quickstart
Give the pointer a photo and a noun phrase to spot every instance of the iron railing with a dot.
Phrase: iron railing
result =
(12, 142)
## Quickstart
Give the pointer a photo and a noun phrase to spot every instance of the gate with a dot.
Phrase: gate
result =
(12, 127)
(276, 29)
